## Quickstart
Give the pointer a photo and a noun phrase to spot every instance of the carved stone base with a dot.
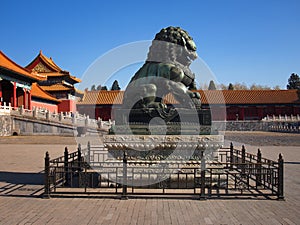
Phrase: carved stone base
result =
(163, 147)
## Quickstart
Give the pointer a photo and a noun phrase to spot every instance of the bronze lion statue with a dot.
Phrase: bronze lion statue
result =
(165, 71)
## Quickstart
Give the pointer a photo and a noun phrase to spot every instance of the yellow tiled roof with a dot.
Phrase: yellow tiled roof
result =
(241, 97)
(102, 97)
(56, 87)
(59, 74)
(250, 96)
(38, 92)
(55, 69)
(8, 64)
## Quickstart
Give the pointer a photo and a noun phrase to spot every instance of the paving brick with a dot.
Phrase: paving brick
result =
(19, 206)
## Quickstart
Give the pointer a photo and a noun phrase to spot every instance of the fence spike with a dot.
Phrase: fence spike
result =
(258, 152)
(47, 181)
(280, 193)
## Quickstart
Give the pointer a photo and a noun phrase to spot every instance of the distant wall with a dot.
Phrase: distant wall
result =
(67, 105)
(48, 106)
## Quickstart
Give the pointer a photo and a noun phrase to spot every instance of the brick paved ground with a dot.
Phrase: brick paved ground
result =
(21, 164)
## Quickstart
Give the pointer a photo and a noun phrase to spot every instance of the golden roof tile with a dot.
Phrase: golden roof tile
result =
(234, 97)
(102, 97)
(8, 64)
(52, 68)
(56, 87)
(38, 92)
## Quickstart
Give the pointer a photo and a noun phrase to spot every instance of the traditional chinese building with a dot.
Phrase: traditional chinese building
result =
(42, 99)
(41, 84)
(15, 83)
(57, 82)
(225, 104)
(253, 104)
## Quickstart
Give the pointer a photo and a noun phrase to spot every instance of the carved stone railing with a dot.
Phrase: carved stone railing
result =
(282, 118)
(70, 118)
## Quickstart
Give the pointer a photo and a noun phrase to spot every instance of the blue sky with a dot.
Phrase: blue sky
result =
(241, 41)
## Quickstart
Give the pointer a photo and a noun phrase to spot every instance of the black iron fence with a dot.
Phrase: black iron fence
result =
(93, 171)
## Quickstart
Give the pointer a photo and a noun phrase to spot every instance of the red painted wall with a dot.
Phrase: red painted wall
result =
(233, 112)
(48, 106)
(67, 105)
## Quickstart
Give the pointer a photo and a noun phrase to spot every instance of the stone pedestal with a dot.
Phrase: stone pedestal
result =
(164, 147)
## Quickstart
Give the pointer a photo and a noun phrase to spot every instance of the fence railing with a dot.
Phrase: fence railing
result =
(93, 170)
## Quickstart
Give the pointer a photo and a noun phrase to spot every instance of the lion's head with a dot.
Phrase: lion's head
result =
(172, 45)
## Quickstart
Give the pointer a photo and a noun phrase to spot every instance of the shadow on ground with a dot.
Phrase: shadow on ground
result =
(18, 184)
(22, 178)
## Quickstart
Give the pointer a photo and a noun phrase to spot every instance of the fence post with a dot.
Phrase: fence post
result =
(280, 178)
(243, 159)
(66, 166)
(46, 194)
(231, 156)
(258, 166)
(203, 168)
(88, 152)
(79, 157)
(124, 187)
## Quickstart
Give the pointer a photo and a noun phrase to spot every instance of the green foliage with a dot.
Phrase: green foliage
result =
(230, 86)
(115, 86)
(293, 82)
(93, 88)
(212, 85)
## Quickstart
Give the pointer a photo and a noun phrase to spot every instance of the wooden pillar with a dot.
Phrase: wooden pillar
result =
(14, 100)
(295, 111)
(29, 100)
(25, 98)
(260, 112)
(242, 113)
(0, 93)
